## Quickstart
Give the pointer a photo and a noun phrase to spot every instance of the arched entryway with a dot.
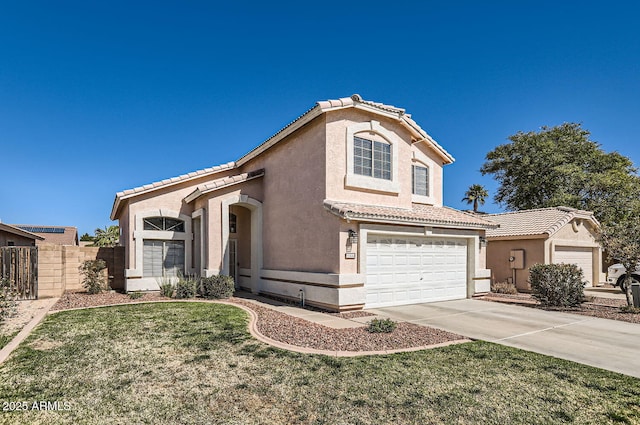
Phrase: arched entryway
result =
(240, 242)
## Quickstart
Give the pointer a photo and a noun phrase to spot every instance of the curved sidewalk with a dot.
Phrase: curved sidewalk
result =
(607, 344)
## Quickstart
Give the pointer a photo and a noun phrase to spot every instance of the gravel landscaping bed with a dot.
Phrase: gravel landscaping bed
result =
(83, 299)
(299, 332)
(292, 330)
(604, 308)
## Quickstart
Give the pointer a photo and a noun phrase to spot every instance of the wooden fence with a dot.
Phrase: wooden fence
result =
(19, 267)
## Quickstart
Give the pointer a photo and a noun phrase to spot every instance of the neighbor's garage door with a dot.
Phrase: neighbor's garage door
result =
(414, 270)
(582, 257)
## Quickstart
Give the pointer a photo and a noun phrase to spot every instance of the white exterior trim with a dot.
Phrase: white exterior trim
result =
(135, 280)
(365, 182)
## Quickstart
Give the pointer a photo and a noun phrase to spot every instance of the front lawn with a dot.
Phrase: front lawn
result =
(197, 363)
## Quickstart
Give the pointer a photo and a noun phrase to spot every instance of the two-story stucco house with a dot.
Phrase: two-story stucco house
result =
(342, 206)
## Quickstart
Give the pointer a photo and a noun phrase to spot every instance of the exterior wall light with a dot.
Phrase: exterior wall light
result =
(353, 237)
(483, 241)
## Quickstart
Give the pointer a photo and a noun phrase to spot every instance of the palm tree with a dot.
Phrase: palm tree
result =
(109, 236)
(476, 195)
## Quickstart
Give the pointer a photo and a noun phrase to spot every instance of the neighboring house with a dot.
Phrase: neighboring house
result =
(343, 207)
(14, 236)
(57, 235)
(545, 236)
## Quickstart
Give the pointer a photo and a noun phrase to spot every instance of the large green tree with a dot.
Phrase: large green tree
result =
(562, 166)
(622, 242)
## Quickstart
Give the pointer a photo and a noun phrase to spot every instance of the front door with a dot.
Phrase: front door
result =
(233, 260)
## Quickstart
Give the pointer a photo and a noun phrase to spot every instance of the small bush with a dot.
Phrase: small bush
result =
(630, 309)
(503, 288)
(216, 287)
(8, 305)
(166, 286)
(135, 295)
(557, 285)
(94, 279)
(186, 287)
(381, 326)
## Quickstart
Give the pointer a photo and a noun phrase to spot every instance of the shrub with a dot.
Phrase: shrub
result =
(630, 309)
(381, 326)
(94, 279)
(135, 295)
(186, 287)
(8, 305)
(220, 286)
(503, 288)
(557, 285)
(166, 286)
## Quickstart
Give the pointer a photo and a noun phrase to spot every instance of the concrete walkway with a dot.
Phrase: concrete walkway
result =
(331, 321)
(40, 309)
(603, 343)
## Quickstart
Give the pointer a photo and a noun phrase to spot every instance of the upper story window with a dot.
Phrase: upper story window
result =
(420, 180)
(371, 158)
(163, 223)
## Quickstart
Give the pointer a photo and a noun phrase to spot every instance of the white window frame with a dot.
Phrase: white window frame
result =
(421, 199)
(139, 235)
(358, 181)
(415, 166)
(165, 248)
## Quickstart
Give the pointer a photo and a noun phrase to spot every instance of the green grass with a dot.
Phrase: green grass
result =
(196, 363)
(5, 339)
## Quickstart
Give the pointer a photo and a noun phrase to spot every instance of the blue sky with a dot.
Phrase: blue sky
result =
(98, 97)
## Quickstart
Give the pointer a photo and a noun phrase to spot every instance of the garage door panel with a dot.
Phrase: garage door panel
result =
(413, 270)
(580, 256)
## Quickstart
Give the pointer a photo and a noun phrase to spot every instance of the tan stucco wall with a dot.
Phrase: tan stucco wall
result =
(298, 233)
(169, 198)
(498, 253)
(584, 233)
(336, 157)
(58, 267)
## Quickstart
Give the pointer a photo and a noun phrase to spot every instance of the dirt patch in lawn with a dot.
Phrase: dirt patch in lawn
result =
(604, 308)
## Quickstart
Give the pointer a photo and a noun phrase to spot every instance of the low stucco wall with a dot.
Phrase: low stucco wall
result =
(58, 267)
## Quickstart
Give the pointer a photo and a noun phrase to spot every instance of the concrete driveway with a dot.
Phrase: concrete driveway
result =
(603, 343)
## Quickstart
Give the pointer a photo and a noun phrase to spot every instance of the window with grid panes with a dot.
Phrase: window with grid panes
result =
(371, 158)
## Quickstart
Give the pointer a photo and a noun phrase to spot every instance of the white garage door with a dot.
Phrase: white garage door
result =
(582, 257)
(414, 270)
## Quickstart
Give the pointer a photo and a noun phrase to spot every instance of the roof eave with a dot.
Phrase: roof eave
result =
(20, 232)
(198, 192)
(349, 216)
(300, 122)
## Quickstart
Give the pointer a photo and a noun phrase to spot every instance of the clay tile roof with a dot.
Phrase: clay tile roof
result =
(223, 182)
(355, 101)
(541, 221)
(418, 214)
(173, 180)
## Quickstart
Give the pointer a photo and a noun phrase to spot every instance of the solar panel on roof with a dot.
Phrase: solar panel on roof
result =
(34, 229)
